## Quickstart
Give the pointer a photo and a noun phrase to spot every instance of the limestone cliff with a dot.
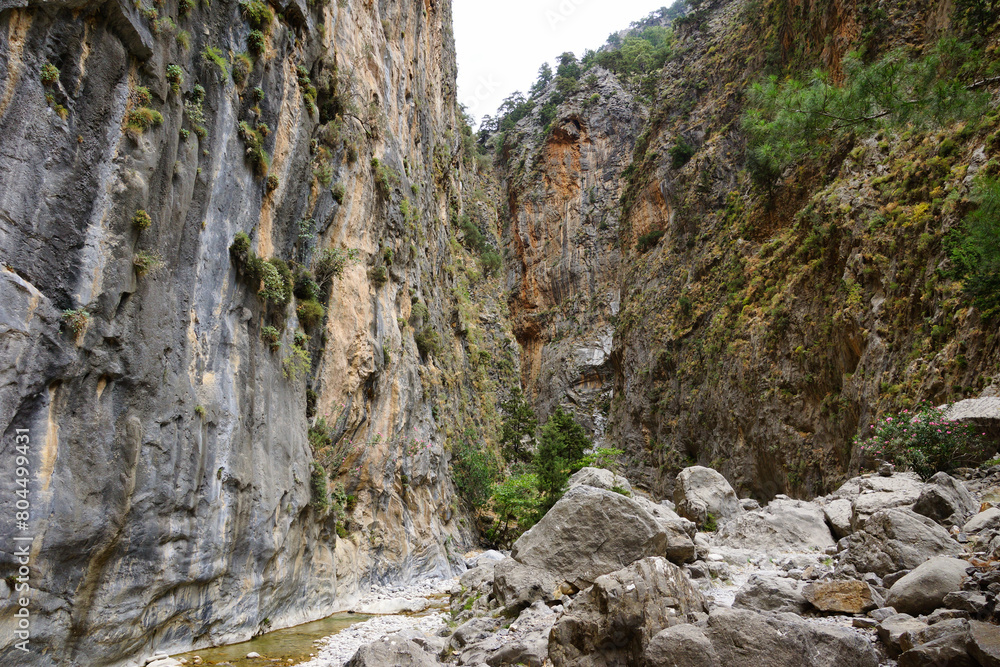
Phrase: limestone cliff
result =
(168, 392)
(561, 190)
(756, 328)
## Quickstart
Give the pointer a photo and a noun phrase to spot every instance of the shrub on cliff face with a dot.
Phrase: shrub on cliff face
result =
(975, 249)
(924, 440)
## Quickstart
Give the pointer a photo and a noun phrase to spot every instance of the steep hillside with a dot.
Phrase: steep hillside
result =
(222, 442)
(777, 291)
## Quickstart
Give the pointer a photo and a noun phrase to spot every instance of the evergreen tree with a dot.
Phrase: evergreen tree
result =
(560, 449)
(519, 421)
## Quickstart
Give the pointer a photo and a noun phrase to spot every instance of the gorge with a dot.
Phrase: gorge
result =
(266, 293)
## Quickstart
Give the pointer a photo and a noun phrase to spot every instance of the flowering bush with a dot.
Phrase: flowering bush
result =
(923, 440)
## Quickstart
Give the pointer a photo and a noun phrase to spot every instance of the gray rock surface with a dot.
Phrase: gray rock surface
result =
(923, 590)
(988, 519)
(396, 651)
(984, 643)
(612, 622)
(599, 478)
(896, 539)
(516, 585)
(946, 500)
(700, 491)
(590, 532)
(742, 638)
(838, 516)
(784, 525)
(892, 628)
(766, 592)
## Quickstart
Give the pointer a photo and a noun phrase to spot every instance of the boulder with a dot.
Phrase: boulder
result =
(944, 643)
(599, 478)
(530, 643)
(613, 621)
(923, 590)
(478, 577)
(933, 632)
(516, 585)
(840, 596)
(397, 651)
(970, 602)
(700, 491)
(987, 519)
(473, 630)
(588, 533)
(680, 531)
(891, 629)
(764, 592)
(782, 526)
(838, 517)
(946, 500)
(906, 483)
(742, 638)
(893, 540)
(984, 643)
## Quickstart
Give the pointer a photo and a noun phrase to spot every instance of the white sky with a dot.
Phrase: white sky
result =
(501, 44)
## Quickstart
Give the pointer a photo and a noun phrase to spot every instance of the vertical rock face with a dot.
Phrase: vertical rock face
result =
(561, 191)
(173, 497)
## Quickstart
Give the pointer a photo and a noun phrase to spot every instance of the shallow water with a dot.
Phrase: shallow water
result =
(291, 643)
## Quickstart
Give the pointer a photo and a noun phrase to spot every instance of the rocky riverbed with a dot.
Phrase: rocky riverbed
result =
(887, 570)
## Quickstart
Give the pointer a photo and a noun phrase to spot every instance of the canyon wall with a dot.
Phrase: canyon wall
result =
(175, 496)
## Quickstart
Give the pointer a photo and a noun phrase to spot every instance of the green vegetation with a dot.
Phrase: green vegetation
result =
(257, 14)
(193, 111)
(273, 182)
(76, 320)
(560, 448)
(975, 249)
(331, 264)
(298, 363)
(519, 423)
(924, 440)
(146, 262)
(49, 74)
(271, 336)
(214, 56)
(647, 241)
(640, 52)
(256, 43)
(711, 523)
(338, 191)
(183, 38)
(428, 341)
(255, 153)
(310, 313)
(242, 67)
(681, 153)
(140, 119)
(789, 119)
(516, 502)
(602, 457)
(185, 7)
(473, 469)
(386, 179)
(319, 495)
(378, 275)
(175, 77)
(141, 220)
(200, 411)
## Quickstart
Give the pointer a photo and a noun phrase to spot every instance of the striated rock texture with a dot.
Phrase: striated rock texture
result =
(174, 500)
(560, 197)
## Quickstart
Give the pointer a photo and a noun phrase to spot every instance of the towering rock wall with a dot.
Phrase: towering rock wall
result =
(561, 192)
(174, 499)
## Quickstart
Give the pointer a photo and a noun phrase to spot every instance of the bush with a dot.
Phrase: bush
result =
(681, 153)
(175, 77)
(647, 241)
(603, 457)
(146, 262)
(272, 183)
(76, 320)
(185, 7)
(428, 341)
(271, 336)
(277, 280)
(473, 470)
(257, 14)
(242, 67)
(297, 364)
(240, 249)
(974, 248)
(519, 421)
(378, 275)
(310, 313)
(560, 448)
(516, 503)
(49, 74)
(215, 57)
(320, 496)
(491, 261)
(141, 220)
(923, 440)
(256, 43)
(331, 264)
(338, 191)
(140, 119)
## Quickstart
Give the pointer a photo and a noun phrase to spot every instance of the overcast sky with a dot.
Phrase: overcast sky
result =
(501, 44)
